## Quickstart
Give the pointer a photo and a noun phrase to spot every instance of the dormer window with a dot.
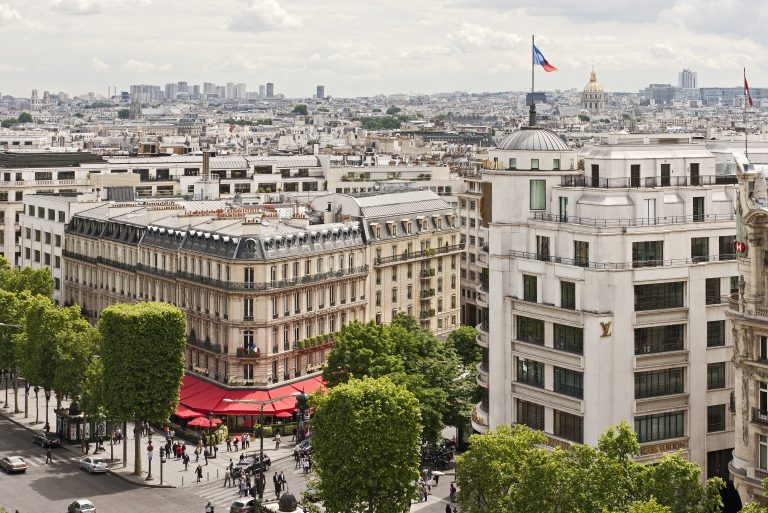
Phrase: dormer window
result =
(378, 232)
(439, 223)
(556, 164)
(534, 163)
(512, 164)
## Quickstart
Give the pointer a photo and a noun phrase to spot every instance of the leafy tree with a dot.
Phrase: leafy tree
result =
(509, 471)
(143, 357)
(36, 281)
(584, 118)
(378, 422)
(92, 400)
(300, 109)
(73, 352)
(8, 123)
(393, 110)
(382, 122)
(78, 114)
(25, 117)
(322, 109)
(361, 350)
(11, 314)
(123, 113)
(464, 342)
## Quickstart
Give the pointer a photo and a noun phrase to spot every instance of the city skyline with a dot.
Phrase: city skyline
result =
(298, 45)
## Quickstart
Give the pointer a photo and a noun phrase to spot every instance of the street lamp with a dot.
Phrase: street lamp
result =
(260, 484)
(150, 448)
(6, 374)
(210, 434)
(47, 426)
(27, 386)
(37, 405)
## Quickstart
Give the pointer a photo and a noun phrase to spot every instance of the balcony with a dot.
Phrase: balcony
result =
(425, 253)
(427, 273)
(482, 339)
(621, 266)
(631, 222)
(754, 307)
(272, 285)
(732, 403)
(482, 299)
(426, 314)
(479, 418)
(243, 352)
(482, 375)
(645, 182)
(427, 293)
(203, 344)
(482, 327)
(760, 416)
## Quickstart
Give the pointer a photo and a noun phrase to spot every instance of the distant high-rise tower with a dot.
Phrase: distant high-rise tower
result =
(135, 109)
(270, 90)
(183, 87)
(240, 92)
(196, 92)
(262, 91)
(320, 92)
(230, 92)
(687, 79)
(170, 91)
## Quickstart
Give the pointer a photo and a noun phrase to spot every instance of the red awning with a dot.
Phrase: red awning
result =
(200, 396)
(185, 413)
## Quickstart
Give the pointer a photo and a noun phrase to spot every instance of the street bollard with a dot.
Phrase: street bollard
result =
(217, 473)
(207, 476)
(182, 481)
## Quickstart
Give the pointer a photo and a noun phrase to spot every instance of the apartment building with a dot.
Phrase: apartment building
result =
(23, 173)
(474, 258)
(415, 249)
(748, 314)
(607, 272)
(263, 295)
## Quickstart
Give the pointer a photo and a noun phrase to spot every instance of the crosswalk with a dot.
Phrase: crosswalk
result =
(58, 458)
(215, 491)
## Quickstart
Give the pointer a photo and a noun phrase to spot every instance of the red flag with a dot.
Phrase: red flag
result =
(746, 91)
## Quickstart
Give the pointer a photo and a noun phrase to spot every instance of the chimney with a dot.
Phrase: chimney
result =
(206, 165)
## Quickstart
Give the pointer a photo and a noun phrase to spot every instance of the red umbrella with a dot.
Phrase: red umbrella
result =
(283, 415)
(204, 422)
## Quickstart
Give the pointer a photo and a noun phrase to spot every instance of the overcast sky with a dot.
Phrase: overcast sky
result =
(366, 47)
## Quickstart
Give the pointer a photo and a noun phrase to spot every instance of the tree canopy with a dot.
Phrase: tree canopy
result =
(366, 446)
(410, 356)
(143, 357)
(464, 342)
(391, 111)
(123, 113)
(300, 109)
(508, 470)
(25, 117)
(35, 281)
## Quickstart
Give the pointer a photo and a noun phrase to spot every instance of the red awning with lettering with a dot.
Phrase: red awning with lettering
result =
(185, 413)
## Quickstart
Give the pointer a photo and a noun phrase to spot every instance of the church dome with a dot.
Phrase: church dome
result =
(593, 86)
(533, 139)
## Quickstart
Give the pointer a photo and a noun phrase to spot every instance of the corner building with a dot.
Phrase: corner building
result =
(607, 275)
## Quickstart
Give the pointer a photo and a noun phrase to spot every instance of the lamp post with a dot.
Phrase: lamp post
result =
(210, 434)
(260, 484)
(6, 374)
(47, 426)
(150, 448)
(37, 405)
(27, 386)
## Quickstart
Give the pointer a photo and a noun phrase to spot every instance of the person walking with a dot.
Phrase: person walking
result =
(452, 494)
(283, 482)
(227, 478)
(199, 473)
(229, 444)
(448, 508)
(186, 462)
(277, 440)
(276, 481)
(48, 455)
(197, 454)
(205, 454)
(235, 442)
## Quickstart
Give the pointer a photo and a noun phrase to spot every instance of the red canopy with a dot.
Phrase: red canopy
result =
(185, 413)
(204, 422)
(283, 415)
(204, 397)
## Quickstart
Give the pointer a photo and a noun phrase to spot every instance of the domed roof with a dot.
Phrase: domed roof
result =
(593, 86)
(287, 503)
(533, 139)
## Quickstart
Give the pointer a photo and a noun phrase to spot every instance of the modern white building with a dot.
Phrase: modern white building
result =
(607, 271)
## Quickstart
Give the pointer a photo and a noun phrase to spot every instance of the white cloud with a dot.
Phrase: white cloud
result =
(263, 15)
(145, 67)
(476, 37)
(98, 64)
(88, 7)
(8, 15)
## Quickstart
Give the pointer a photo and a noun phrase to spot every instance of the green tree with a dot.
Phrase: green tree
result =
(361, 350)
(74, 350)
(393, 110)
(123, 113)
(8, 123)
(355, 425)
(300, 109)
(649, 506)
(584, 118)
(142, 352)
(25, 117)
(464, 342)
(35, 281)
(92, 400)
(11, 316)
(508, 471)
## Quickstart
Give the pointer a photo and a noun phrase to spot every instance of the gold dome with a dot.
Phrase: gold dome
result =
(593, 86)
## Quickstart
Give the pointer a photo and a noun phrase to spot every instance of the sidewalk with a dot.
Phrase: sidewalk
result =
(174, 475)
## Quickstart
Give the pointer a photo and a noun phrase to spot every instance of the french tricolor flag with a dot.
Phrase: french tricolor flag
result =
(538, 58)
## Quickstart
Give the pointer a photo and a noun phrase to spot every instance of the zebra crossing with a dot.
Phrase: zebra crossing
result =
(215, 491)
(58, 458)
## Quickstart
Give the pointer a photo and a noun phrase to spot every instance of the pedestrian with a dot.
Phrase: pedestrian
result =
(448, 508)
(48, 455)
(119, 435)
(234, 475)
(209, 507)
(234, 442)
(246, 441)
(297, 457)
(453, 492)
(282, 481)
(197, 454)
(276, 481)
(186, 462)
(205, 454)
(199, 473)
(277, 440)
(229, 445)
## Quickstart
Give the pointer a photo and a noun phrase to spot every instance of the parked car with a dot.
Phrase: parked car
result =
(93, 464)
(242, 505)
(303, 446)
(251, 463)
(81, 506)
(13, 464)
(46, 439)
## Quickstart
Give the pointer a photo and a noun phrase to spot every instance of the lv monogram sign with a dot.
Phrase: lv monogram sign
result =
(605, 329)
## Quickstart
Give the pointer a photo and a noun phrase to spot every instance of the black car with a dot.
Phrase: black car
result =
(305, 446)
(251, 463)
(46, 439)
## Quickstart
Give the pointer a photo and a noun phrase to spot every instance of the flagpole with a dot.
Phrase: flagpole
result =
(533, 44)
(532, 112)
(746, 133)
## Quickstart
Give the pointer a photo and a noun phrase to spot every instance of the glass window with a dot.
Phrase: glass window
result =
(530, 372)
(659, 339)
(538, 200)
(648, 253)
(530, 414)
(662, 426)
(542, 248)
(569, 382)
(727, 247)
(700, 249)
(530, 330)
(715, 375)
(763, 457)
(529, 288)
(581, 253)
(715, 333)
(658, 383)
(713, 291)
(659, 295)
(534, 163)
(569, 338)
(698, 209)
(715, 418)
(570, 427)
(568, 295)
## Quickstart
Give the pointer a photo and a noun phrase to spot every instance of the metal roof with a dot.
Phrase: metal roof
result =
(533, 139)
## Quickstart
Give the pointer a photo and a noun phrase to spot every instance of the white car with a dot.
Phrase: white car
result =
(93, 464)
(13, 464)
(81, 506)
